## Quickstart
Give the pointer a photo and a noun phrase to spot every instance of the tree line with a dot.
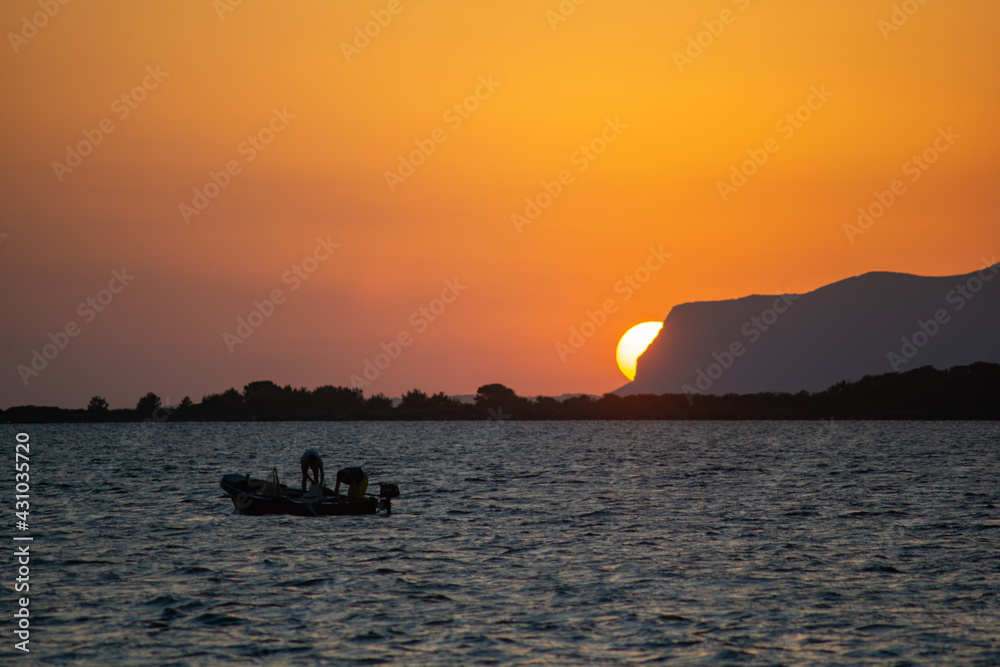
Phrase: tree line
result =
(962, 392)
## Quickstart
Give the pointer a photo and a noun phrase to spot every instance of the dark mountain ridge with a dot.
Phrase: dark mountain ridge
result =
(871, 324)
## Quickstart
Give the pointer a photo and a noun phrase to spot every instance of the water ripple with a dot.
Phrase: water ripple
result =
(530, 543)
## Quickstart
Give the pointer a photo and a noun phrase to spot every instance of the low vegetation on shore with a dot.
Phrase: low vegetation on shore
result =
(962, 392)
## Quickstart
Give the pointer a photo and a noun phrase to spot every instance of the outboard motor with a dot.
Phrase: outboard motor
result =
(386, 492)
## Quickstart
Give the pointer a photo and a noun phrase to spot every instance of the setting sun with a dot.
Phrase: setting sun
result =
(633, 343)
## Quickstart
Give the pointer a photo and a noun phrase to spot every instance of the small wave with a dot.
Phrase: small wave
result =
(304, 583)
(218, 620)
(875, 567)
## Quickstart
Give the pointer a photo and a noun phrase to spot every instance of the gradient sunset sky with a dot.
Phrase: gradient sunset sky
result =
(615, 108)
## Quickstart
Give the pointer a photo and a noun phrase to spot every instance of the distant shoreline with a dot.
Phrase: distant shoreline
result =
(968, 393)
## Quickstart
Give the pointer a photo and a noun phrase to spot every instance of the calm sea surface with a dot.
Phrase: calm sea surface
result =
(530, 543)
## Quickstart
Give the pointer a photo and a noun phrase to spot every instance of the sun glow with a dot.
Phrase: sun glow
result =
(633, 343)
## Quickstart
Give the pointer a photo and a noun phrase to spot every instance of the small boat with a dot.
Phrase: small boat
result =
(256, 497)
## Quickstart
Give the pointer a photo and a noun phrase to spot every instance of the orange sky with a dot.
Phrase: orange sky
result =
(671, 119)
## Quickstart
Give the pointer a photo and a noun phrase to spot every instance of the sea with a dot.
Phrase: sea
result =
(523, 543)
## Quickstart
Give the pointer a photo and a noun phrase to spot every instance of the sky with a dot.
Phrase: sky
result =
(442, 194)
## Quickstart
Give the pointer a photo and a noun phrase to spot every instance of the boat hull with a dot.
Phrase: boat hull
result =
(254, 497)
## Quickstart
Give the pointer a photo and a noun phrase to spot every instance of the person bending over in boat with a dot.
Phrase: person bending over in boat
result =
(356, 481)
(311, 461)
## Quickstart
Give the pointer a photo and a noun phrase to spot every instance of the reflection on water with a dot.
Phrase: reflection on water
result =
(610, 542)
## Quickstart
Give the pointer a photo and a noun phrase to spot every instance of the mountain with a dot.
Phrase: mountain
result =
(876, 323)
